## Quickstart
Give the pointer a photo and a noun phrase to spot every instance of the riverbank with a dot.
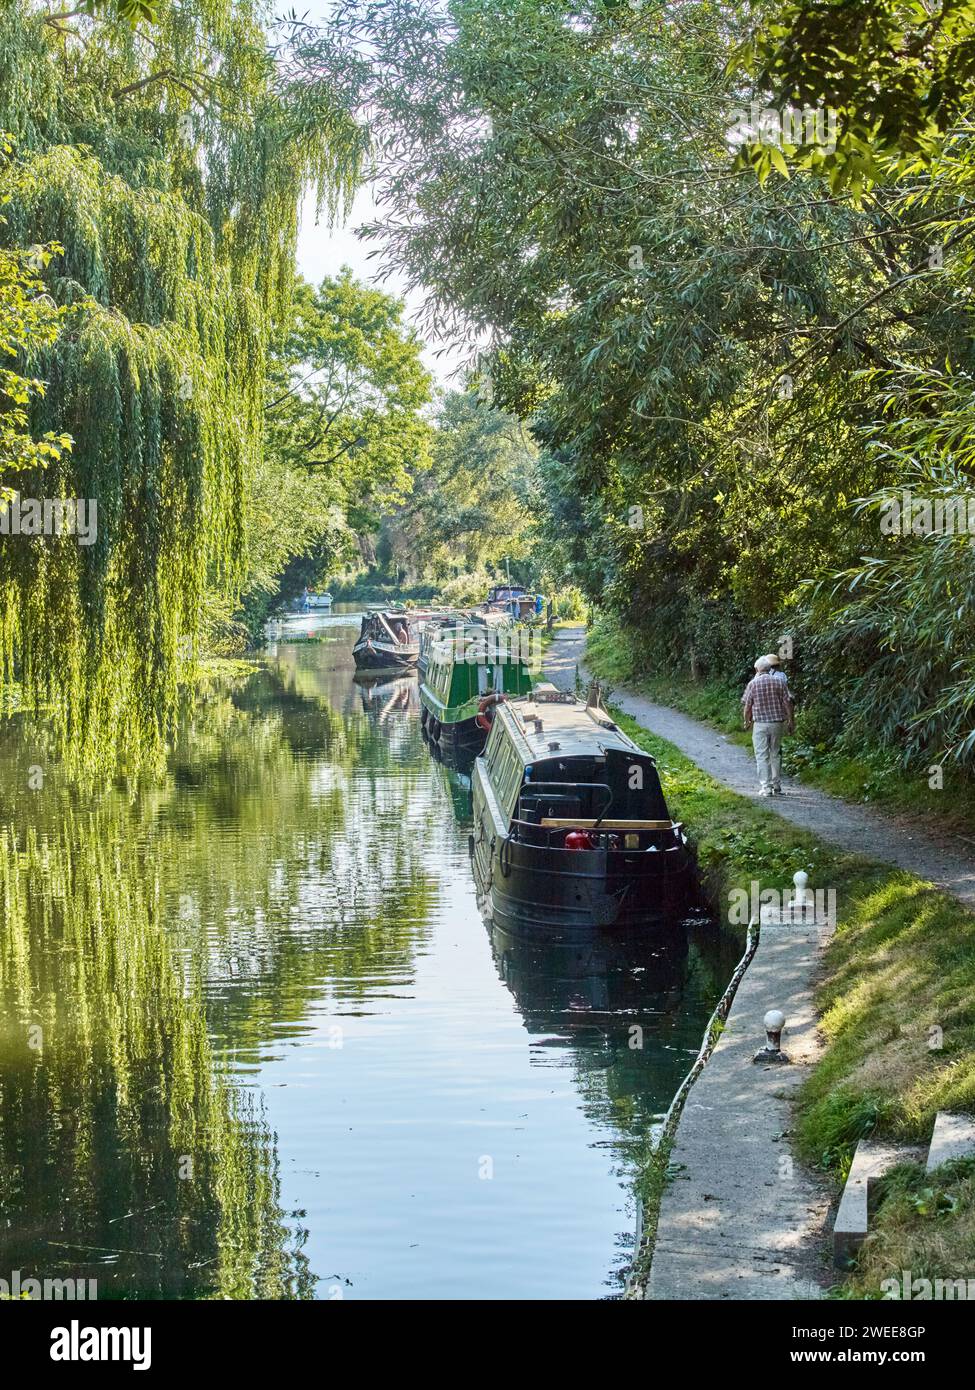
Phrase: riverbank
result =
(901, 963)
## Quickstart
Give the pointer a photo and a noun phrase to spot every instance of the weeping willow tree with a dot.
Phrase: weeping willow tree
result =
(28, 320)
(168, 163)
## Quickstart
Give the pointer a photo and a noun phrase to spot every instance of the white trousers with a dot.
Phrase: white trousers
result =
(767, 742)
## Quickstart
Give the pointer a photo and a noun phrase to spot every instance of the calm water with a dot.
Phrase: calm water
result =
(256, 1040)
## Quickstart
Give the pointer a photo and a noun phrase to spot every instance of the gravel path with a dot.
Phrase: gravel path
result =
(852, 827)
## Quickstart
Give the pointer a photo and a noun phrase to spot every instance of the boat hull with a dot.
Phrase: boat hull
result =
(534, 892)
(383, 656)
(540, 891)
(458, 736)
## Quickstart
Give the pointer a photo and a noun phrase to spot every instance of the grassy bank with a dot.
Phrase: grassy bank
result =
(874, 775)
(901, 965)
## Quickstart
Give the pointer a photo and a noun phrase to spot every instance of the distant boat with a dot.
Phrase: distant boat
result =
(319, 600)
(468, 665)
(512, 599)
(387, 642)
(501, 595)
(571, 829)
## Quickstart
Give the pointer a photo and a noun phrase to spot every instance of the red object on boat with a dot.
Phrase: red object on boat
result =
(578, 839)
(485, 710)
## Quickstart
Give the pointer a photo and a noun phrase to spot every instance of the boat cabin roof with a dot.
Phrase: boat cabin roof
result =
(507, 591)
(550, 716)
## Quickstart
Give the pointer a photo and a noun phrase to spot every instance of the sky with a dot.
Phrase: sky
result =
(323, 250)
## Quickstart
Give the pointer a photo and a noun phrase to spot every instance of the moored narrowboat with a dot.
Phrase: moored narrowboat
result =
(386, 642)
(432, 627)
(469, 666)
(571, 829)
(514, 600)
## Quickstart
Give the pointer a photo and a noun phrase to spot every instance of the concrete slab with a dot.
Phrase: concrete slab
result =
(753, 1275)
(742, 1219)
(953, 1137)
(870, 1161)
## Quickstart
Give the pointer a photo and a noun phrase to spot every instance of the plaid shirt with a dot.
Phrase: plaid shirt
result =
(767, 699)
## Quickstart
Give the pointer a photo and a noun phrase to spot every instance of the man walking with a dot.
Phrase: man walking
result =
(768, 710)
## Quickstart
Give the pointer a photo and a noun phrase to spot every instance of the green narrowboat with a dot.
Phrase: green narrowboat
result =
(470, 666)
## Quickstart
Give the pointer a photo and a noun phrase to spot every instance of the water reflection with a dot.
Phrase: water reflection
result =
(255, 1040)
(382, 696)
(124, 1156)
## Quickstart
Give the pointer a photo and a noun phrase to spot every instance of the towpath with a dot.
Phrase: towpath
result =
(742, 1219)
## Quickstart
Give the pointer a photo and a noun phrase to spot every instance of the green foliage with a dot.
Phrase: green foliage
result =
(169, 171)
(834, 747)
(132, 11)
(345, 435)
(346, 391)
(908, 604)
(832, 1127)
(465, 589)
(29, 324)
(898, 73)
(469, 513)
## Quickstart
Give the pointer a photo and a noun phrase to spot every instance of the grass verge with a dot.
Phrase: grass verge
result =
(923, 1235)
(897, 1005)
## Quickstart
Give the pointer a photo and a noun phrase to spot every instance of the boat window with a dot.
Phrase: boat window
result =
(498, 741)
(508, 775)
(504, 763)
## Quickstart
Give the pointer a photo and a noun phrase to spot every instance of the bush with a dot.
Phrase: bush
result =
(466, 589)
(569, 604)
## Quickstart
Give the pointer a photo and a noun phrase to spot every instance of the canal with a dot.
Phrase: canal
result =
(257, 1041)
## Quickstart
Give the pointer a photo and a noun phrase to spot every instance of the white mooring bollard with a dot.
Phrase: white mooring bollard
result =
(774, 1022)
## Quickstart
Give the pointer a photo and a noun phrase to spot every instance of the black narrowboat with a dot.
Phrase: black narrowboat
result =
(571, 829)
(386, 642)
